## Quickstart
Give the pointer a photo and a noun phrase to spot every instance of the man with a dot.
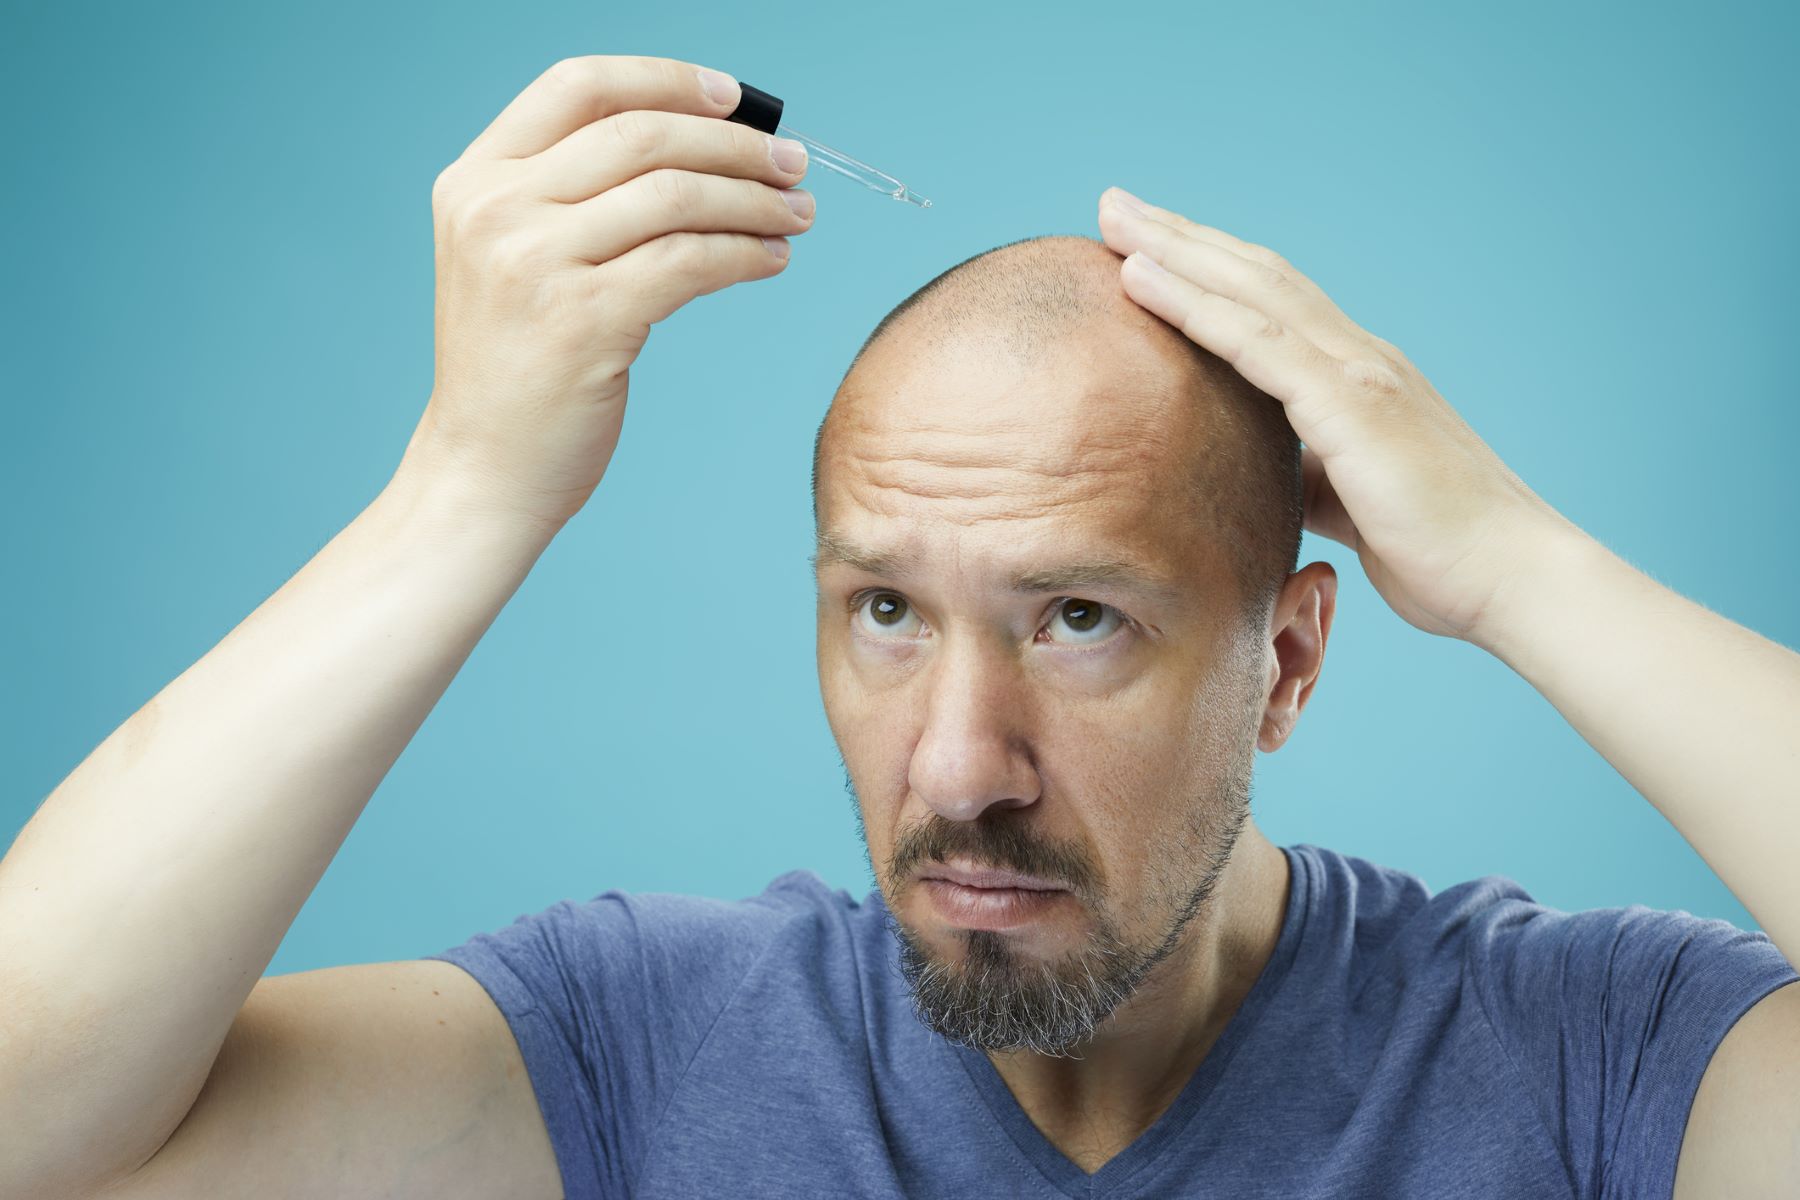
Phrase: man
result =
(1059, 497)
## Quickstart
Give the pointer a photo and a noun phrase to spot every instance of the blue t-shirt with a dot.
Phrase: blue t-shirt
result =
(1396, 1044)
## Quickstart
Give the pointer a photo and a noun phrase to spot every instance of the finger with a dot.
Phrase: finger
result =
(1219, 237)
(605, 153)
(1268, 258)
(665, 273)
(1325, 513)
(667, 200)
(1225, 272)
(1276, 358)
(581, 90)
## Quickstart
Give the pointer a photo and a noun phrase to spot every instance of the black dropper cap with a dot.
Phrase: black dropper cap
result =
(757, 109)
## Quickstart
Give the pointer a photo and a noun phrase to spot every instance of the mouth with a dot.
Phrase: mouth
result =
(990, 879)
(988, 898)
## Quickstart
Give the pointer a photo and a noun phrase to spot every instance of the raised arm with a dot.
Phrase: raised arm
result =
(1698, 713)
(143, 901)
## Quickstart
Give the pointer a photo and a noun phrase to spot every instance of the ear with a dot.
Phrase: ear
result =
(1300, 625)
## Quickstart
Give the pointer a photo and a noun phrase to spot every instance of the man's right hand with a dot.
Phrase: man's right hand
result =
(609, 193)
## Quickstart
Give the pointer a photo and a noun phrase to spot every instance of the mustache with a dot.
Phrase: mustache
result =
(992, 840)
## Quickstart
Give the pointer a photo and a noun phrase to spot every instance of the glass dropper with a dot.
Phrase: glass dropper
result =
(759, 110)
(849, 167)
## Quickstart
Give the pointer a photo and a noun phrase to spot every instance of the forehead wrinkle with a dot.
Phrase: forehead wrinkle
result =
(1021, 489)
(1052, 422)
(1068, 451)
(963, 465)
(1128, 487)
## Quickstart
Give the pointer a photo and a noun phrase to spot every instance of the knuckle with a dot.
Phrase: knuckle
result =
(574, 73)
(684, 254)
(1377, 378)
(743, 144)
(1267, 328)
(773, 199)
(638, 133)
(676, 73)
(515, 255)
(477, 210)
(674, 191)
(1269, 258)
(1194, 329)
(443, 188)
(1391, 352)
(1274, 278)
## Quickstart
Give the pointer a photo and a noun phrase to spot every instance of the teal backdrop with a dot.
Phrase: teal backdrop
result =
(1577, 220)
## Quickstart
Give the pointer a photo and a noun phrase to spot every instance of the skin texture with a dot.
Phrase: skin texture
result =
(987, 727)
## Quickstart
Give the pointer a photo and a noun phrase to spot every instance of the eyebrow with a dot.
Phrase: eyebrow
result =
(1071, 577)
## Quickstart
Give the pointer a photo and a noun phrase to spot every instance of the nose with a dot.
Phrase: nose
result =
(973, 751)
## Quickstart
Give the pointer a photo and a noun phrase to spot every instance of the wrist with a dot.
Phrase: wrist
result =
(1560, 568)
(447, 504)
(435, 486)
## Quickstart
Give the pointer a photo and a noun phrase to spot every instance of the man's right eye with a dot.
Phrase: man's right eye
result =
(886, 615)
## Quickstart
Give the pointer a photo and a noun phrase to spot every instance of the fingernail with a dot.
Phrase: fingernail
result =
(800, 202)
(720, 88)
(777, 246)
(1149, 262)
(1126, 200)
(789, 155)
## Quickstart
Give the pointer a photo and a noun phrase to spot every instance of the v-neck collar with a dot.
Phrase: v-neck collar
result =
(1115, 1176)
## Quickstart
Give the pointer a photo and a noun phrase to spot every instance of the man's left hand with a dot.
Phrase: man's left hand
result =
(1390, 470)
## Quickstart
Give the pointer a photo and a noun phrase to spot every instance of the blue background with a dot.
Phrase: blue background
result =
(217, 231)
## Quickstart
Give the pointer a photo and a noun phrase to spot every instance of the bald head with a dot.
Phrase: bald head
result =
(1050, 314)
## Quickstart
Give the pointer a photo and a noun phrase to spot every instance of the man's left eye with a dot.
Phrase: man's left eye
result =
(1084, 622)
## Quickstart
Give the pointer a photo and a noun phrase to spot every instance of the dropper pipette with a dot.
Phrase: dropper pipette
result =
(844, 165)
(759, 110)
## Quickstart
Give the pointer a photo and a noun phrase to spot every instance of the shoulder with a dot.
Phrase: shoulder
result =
(1491, 932)
(798, 913)
(1605, 985)
(1380, 920)
(671, 935)
(653, 970)
(1493, 916)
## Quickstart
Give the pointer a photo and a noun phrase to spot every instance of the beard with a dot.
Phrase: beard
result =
(996, 999)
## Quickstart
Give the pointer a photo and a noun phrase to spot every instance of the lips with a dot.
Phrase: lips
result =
(995, 909)
(990, 878)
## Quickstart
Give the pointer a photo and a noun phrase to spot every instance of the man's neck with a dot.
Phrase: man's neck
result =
(1093, 1107)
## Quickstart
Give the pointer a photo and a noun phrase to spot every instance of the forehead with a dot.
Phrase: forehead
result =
(1085, 448)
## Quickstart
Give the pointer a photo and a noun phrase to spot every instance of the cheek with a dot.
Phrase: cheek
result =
(872, 702)
(877, 765)
(861, 708)
(1127, 748)
(1144, 774)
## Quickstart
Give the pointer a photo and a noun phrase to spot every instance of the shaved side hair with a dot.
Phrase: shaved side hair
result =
(1028, 296)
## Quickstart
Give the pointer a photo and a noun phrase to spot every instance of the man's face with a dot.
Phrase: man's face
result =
(1031, 661)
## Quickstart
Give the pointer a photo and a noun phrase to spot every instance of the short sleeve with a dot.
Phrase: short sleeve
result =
(1610, 1017)
(608, 1001)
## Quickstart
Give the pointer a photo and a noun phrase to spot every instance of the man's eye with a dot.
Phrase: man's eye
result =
(1077, 622)
(1085, 622)
(883, 614)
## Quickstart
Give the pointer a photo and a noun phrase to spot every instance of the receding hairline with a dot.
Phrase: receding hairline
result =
(1025, 298)
(1033, 292)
